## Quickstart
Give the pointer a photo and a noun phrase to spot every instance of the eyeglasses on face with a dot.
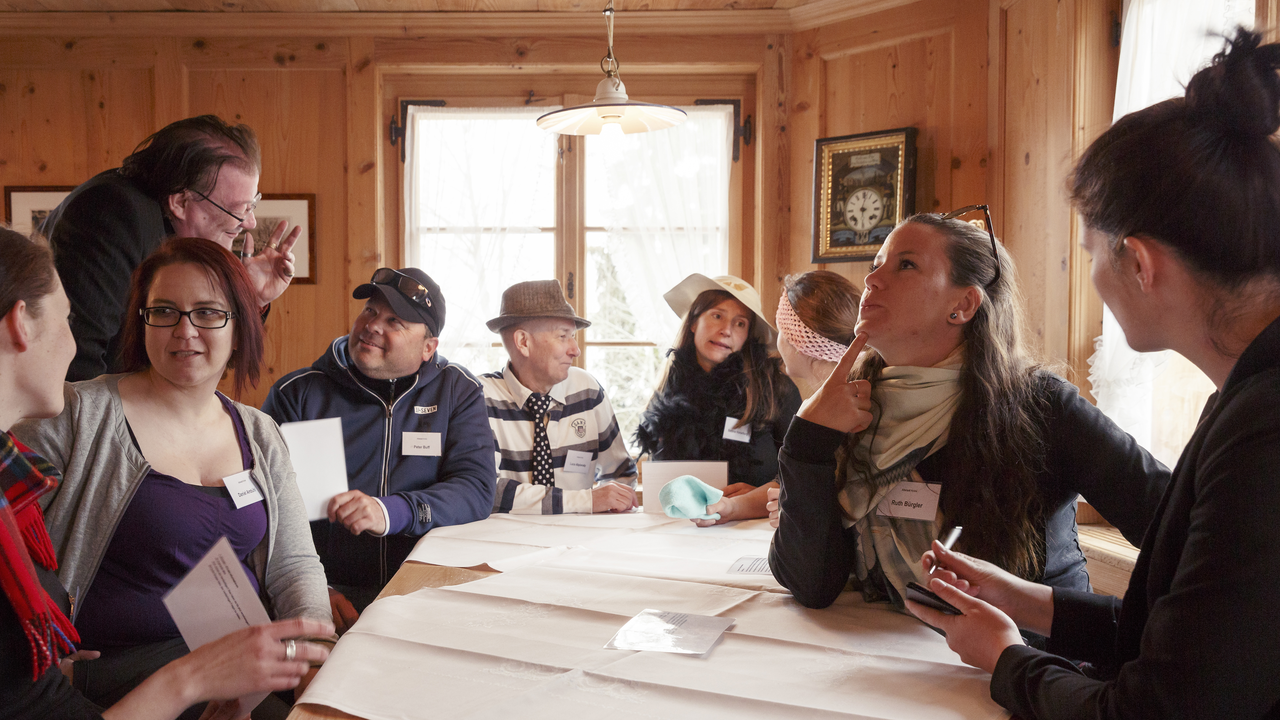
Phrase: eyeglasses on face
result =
(407, 286)
(204, 318)
(253, 205)
(986, 211)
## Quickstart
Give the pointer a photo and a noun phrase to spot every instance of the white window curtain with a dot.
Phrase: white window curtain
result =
(479, 209)
(1163, 43)
(662, 199)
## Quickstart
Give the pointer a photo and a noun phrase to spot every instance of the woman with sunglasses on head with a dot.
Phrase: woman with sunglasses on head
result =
(36, 347)
(722, 396)
(158, 466)
(946, 421)
(1192, 264)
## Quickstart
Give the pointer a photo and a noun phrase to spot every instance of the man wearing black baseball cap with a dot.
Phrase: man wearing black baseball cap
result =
(417, 439)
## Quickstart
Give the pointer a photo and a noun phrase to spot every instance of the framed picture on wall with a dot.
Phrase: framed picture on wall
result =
(295, 209)
(25, 206)
(863, 186)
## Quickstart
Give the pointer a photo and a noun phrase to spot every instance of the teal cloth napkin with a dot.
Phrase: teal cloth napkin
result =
(687, 498)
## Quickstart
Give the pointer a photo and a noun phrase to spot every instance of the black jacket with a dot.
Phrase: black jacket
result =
(812, 553)
(1196, 635)
(685, 420)
(100, 234)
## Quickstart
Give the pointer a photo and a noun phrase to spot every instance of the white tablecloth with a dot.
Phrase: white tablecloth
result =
(529, 643)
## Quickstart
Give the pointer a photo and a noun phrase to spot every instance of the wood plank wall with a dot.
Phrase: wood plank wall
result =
(73, 104)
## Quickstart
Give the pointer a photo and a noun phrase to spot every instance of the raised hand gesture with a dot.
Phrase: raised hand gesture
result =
(272, 269)
(840, 404)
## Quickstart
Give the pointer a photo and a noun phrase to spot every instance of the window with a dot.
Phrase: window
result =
(492, 200)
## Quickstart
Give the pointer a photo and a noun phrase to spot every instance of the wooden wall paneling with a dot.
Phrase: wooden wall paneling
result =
(764, 261)
(58, 51)
(1268, 19)
(924, 66)
(1096, 67)
(405, 25)
(667, 53)
(805, 124)
(1039, 54)
(368, 234)
(251, 53)
(170, 81)
(61, 127)
(300, 120)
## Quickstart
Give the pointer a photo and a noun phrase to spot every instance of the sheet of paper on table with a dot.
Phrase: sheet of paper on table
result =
(751, 566)
(319, 462)
(216, 599)
(657, 473)
(673, 632)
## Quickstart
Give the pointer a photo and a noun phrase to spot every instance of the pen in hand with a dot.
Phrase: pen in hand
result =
(950, 540)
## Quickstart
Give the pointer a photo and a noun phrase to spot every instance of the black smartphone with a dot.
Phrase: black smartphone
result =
(920, 594)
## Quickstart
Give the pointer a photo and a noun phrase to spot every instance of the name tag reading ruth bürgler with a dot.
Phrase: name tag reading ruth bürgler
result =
(243, 491)
(911, 501)
(420, 443)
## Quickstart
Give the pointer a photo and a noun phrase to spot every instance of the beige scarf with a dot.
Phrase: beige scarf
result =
(913, 406)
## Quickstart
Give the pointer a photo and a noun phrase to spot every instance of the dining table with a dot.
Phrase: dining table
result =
(509, 617)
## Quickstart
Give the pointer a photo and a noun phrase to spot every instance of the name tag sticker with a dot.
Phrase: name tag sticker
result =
(739, 434)
(577, 462)
(911, 501)
(243, 491)
(420, 443)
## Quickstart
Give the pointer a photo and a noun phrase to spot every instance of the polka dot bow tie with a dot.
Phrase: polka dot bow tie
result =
(536, 406)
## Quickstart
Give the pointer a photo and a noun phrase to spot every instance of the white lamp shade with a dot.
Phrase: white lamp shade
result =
(633, 117)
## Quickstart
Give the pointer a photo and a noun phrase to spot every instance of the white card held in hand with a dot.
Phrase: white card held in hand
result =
(671, 632)
(243, 491)
(426, 444)
(319, 461)
(911, 501)
(655, 474)
(216, 599)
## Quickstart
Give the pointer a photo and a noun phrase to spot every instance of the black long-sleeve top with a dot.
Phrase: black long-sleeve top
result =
(1086, 453)
(1197, 633)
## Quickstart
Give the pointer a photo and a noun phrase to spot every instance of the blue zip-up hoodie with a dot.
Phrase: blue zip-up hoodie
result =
(420, 492)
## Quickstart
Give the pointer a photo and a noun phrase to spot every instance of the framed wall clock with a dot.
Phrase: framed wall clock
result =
(864, 185)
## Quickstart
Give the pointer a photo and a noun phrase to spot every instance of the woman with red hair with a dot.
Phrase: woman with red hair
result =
(159, 466)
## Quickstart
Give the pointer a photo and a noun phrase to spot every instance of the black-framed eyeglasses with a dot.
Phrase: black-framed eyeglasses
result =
(204, 318)
(986, 211)
(410, 288)
(253, 205)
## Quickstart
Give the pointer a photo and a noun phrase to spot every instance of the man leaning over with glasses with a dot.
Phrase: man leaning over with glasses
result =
(418, 445)
(196, 177)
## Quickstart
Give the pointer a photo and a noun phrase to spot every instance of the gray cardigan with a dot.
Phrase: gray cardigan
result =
(102, 469)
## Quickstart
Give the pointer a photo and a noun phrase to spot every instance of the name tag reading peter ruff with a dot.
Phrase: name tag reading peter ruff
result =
(420, 443)
(243, 491)
(911, 501)
(740, 434)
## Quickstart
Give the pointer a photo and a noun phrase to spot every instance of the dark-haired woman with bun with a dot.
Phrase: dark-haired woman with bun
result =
(36, 347)
(1181, 203)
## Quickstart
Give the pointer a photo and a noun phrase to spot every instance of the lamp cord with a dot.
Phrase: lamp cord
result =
(609, 64)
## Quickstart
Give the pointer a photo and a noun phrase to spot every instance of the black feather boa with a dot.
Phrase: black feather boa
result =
(685, 420)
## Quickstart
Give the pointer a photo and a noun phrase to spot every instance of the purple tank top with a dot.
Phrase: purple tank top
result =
(168, 526)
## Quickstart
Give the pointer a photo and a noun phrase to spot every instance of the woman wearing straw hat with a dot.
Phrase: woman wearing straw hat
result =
(722, 397)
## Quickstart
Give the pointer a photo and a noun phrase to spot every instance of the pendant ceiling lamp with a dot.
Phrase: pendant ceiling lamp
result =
(611, 112)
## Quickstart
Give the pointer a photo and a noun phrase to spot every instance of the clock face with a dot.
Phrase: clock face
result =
(864, 209)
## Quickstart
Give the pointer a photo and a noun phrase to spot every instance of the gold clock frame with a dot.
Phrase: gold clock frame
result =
(893, 175)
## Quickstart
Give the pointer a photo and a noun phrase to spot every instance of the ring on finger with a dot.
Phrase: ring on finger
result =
(290, 650)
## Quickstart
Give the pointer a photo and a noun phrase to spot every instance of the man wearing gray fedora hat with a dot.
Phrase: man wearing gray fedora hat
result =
(558, 446)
